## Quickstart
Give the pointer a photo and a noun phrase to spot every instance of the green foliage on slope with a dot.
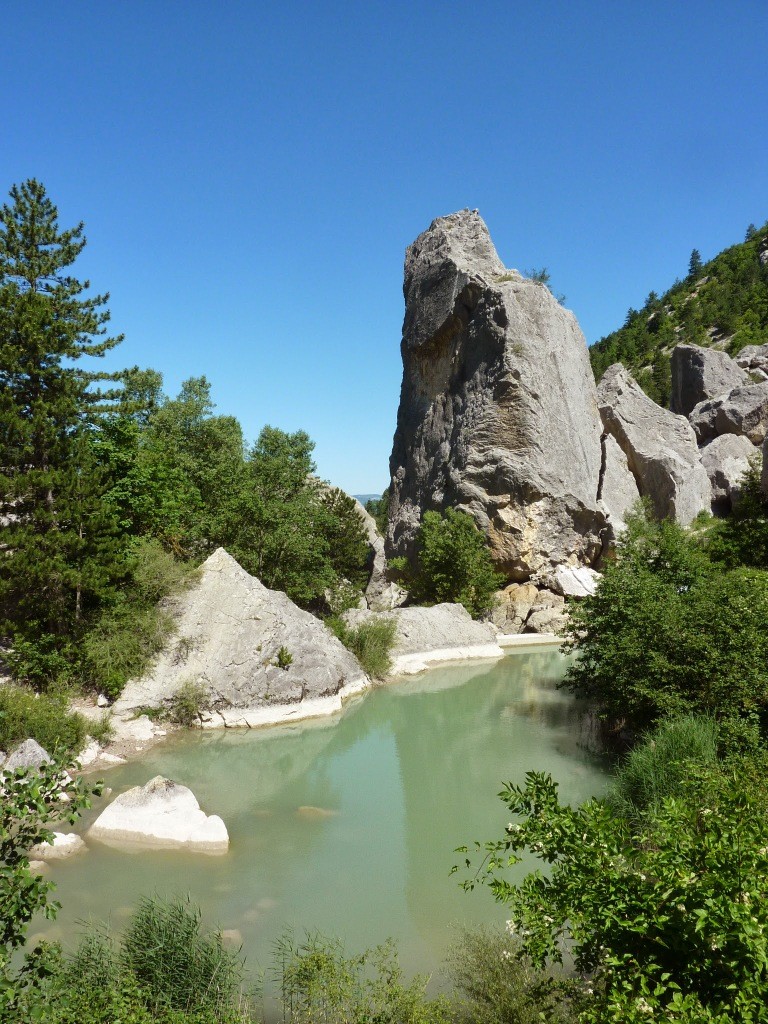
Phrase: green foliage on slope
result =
(452, 563)
(723, 301)
(669, 632)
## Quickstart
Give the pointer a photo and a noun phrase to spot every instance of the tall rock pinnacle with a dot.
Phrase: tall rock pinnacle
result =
(498, 408)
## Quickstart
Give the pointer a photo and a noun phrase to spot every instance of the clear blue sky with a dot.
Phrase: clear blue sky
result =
(250, 173)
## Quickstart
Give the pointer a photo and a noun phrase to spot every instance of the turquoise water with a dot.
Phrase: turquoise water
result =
(405, 775)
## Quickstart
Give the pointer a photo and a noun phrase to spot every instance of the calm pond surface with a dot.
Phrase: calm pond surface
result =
(408, 772)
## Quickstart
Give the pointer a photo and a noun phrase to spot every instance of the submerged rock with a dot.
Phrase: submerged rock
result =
(246, 646)
(64, 845)
(161, 814)
(498, 410)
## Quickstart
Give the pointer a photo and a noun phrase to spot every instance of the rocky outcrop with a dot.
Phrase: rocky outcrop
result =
(524, 608)
(427, 636)
(754, 359)
(618, 488)
(743, 411)
(161, 814)
(726, 460)
(250, 648)
(660, 447)
(498, 413)
(699, 374)
(380, 594)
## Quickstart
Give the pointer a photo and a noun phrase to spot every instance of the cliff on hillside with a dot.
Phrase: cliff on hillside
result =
(721, 303)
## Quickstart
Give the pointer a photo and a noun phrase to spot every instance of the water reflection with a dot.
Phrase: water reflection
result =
(349, 824)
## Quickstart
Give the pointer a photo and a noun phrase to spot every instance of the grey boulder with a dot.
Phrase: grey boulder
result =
(498, 412)
(753, 358)
(699, 374)
(28, 754)
(249, 647)
(744, 411)
(726, 460)
(618, 490)
(659, 446)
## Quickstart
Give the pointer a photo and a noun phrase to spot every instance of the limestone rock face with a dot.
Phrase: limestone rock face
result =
(744, 411)
(444, 632)
(659, 446)
(726, 460)
(28, 754)
(230, 631)
(380, 594)
(498, 413)
(699, 374)
(764, 474)
(579, 582)
(161, 814)
(619, 490)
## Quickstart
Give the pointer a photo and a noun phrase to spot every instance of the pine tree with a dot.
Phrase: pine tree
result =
(53, 528)
(694, 265)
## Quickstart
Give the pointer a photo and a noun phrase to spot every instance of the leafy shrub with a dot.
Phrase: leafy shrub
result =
(742, 537)
(495, 984)
(45, 718)
(188, 704)
(371, 642)
(319, 984)
(122, 643)
(31, 804)
(670, 633)
(284, 658)
(666, 921)
(657, 768)
(156, 573)
(452, 564)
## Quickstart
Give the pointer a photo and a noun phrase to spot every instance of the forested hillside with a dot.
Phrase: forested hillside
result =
(723, 302)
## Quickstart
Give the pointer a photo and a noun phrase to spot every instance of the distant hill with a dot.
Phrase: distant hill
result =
(723, 303)
(365, 498)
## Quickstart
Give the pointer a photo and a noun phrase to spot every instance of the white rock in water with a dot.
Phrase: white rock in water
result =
(65, 844)
(161, 814)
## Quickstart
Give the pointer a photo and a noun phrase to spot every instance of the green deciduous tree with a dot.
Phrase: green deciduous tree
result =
(452, 563)
(669, 633)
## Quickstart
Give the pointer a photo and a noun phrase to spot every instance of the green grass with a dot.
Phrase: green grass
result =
(371, 642)
(25, 714)
(657, 767)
